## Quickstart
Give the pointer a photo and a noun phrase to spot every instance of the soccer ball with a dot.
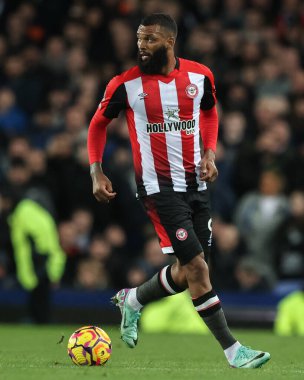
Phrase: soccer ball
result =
(89, 345)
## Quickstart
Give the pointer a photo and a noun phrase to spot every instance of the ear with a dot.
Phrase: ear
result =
(170, 42)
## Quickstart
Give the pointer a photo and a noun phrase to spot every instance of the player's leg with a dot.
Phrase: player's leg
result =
(168, 281)
(208, 305)
(205, 300)
(197, 273)
(188, 250)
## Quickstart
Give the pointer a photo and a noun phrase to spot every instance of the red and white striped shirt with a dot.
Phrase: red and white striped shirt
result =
(166, 115)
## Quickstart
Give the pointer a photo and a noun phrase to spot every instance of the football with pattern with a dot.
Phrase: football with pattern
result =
(90, 346)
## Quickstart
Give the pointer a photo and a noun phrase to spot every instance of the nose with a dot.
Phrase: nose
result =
(141, 44)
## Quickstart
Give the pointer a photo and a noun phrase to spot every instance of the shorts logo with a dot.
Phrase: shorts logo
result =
(210, 229)
(210, 225)
(192, 90)
(181, 234)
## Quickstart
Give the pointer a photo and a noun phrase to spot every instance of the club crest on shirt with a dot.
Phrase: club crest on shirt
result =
(192, 90)
(142, 95)
(181, 234)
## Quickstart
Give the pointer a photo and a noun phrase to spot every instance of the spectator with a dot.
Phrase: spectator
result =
(55, 55)
(13, 121)
(91, 275)
(259, 214)
(68, 241)
(153, 259)
(75, 123)
(82, 219)
(227, 251)
(253, 276)
(38, 256)
(289, 240)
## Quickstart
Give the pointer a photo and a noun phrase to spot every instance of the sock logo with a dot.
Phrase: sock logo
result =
(181, 234)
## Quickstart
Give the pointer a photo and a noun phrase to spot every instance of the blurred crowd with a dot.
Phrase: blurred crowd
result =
(56, 58)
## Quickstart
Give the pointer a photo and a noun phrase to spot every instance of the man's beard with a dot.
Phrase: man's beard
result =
(155, 63)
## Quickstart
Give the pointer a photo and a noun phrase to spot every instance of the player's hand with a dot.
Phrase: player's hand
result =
(208, 170)
(102, 186)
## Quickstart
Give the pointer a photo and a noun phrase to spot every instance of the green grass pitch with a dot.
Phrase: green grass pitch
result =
(32, 353)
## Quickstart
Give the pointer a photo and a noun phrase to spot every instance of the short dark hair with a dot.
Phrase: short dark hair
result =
(162, 19)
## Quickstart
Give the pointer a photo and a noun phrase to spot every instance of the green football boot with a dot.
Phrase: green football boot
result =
(247, 358)
(129, 318)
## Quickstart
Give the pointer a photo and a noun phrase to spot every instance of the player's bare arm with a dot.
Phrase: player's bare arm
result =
(208, 170)
(102, 186)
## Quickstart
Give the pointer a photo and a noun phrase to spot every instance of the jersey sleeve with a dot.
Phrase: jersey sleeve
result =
(114, 99)
(209, 128)
(209, 97)
(97, 136)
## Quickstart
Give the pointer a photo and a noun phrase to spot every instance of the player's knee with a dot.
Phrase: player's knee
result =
(196, 269)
